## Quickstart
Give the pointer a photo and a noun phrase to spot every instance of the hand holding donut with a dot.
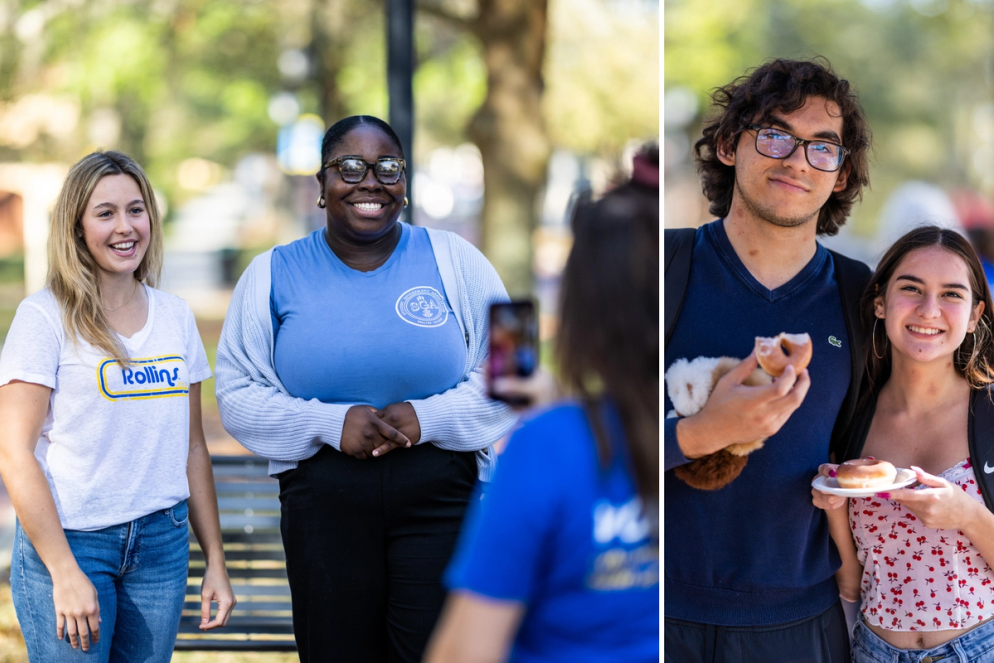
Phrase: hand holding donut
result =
(735, 413)
(941, 506)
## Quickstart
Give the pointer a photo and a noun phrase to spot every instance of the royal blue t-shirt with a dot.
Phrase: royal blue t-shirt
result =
(569, 539)
(379, 337)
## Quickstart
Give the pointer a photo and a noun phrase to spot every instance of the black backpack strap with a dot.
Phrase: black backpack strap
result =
(679, 248)
(982, 442)
(852, 277)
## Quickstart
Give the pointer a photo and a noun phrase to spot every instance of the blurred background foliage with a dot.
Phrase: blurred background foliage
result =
(173, 80)
(924, 70)
(517, 104)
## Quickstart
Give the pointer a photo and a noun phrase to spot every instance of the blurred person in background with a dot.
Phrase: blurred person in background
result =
(782, 159)
(560, 560)
(976, 213)
(352, 359)
(103, 448)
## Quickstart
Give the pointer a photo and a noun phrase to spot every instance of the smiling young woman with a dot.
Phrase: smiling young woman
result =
(105, 471)
(352, 359)
(921, 559)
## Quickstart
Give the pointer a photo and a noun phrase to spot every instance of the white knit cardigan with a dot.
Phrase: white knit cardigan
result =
(257, 410)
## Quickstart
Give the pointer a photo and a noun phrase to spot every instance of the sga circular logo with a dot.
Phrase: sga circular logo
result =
(422, 306)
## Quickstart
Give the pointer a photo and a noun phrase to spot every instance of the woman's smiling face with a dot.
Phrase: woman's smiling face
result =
(366, 210)
(116, 226)
(928, 307)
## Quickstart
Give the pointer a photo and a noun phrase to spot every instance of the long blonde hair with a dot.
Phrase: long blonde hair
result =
(72, 271)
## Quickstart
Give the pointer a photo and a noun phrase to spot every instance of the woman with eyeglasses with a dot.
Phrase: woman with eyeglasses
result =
(352, 359)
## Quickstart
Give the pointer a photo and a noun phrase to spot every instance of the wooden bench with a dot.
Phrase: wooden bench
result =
(249, 505)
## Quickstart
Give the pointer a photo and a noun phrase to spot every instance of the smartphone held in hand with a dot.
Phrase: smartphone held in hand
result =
(513, 345)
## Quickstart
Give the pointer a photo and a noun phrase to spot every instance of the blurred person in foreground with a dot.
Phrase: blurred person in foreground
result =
(103, 448)
(352, 360)
(560, 560)
(749, 568)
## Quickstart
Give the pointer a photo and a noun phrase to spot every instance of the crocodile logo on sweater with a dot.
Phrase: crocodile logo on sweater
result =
(834, 341)
(422, 306)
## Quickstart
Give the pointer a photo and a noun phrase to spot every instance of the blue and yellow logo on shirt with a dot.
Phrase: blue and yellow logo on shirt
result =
(152, 377)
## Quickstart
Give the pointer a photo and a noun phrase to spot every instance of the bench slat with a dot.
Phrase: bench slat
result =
(248, 501)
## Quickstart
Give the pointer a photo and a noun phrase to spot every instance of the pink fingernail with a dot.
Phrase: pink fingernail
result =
(885, 496)
(831, 473)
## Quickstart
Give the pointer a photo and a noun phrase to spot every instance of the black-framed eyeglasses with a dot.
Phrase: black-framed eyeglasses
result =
(778, 144)
(353, 169)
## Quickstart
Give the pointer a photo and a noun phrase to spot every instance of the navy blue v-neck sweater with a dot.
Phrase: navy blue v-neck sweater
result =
(757, 551)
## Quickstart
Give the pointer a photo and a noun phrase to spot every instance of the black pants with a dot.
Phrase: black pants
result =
(366, 544)
(823, 638)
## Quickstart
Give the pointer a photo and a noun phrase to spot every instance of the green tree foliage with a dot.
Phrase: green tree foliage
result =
(924, 70)
(170, 80)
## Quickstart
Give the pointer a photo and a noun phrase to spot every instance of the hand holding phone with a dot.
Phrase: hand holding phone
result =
(513, 347)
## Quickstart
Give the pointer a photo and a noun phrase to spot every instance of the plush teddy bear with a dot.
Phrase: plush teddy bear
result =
(689, 384)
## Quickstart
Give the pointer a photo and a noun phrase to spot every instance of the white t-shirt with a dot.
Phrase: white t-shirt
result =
(115, 442)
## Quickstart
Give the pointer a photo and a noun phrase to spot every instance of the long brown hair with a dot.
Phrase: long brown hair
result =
(785, 86)
(974, 358)
(608, 342)
(72, 271)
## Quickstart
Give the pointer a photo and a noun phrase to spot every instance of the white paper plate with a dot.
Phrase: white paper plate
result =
(829, 485)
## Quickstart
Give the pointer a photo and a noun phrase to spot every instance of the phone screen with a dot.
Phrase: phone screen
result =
(513, 341)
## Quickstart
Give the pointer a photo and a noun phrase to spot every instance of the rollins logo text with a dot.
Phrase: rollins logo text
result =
(150, 375)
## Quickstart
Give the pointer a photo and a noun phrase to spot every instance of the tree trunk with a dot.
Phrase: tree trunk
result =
(329, 43)
(510, 132)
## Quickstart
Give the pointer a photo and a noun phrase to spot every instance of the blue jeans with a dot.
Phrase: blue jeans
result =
(976, 646)
(139, 570)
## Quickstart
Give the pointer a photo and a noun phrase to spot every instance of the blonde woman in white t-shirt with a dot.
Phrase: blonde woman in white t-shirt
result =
(921, 560)
(102, 449)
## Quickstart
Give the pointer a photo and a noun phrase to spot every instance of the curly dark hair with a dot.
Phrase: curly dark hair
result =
(784, 86)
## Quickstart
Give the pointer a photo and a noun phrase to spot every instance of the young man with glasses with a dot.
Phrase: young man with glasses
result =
(749, 568)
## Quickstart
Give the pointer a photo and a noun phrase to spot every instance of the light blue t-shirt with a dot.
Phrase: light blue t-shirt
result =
(569, 539)
(379, 337)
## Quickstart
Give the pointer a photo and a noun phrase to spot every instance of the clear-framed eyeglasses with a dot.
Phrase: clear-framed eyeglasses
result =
(353, 169)
(779, 144)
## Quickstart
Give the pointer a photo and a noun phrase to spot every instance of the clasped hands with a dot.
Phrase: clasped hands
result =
(369, 433)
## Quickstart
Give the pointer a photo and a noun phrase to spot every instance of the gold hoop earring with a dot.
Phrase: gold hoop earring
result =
(873, 339)
(406, 201)
(321, 202)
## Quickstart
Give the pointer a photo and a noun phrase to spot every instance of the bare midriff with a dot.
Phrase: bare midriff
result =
(920, 639)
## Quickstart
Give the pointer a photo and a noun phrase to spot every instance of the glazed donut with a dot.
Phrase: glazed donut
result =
(865, 473)
(774, 354)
